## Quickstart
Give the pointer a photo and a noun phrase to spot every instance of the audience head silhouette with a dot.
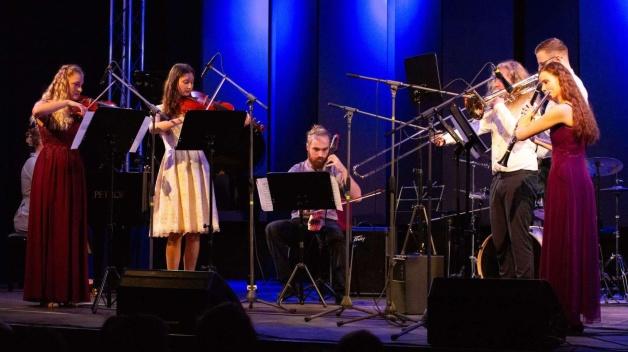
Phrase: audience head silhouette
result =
(226, 327)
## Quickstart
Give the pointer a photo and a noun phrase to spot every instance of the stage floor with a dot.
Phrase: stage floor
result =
(277, 327)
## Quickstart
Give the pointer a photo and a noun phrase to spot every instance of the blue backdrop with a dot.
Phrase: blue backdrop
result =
(294, 56)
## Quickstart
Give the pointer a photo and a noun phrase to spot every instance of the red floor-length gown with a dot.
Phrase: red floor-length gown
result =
(56, 254)
(569, 255)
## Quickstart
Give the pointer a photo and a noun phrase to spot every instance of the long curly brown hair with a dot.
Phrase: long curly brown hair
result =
(171, 97)
(584, 124)
(59, 90)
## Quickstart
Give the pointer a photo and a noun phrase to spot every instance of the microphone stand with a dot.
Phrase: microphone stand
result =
(251, 100)
(151, 192)
(104, 280)
(390, 311)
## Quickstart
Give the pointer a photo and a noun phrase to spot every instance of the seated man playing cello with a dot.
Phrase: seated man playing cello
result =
(282, 235)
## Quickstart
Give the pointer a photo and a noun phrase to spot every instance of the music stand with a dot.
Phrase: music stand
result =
(302, 191)
(422, 70)
(215, 131)
(107, 133)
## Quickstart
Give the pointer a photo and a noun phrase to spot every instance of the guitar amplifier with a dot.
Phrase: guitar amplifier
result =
(369, 260)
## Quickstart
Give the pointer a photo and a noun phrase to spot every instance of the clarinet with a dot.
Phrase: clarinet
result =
(504, 160)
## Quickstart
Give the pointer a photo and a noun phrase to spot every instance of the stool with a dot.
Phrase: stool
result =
(16, 248)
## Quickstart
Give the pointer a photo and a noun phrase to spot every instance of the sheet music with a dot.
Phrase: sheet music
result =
(78, 138)
(336, 191)
(264, 194)
(140, 134)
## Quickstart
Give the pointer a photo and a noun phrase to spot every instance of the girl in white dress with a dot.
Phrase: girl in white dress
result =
(181, 203)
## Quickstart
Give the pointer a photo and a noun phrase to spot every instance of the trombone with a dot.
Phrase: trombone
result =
(416, 135)
(476, 105)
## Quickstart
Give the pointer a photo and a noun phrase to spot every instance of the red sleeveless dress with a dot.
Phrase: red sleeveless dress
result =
(569, 255)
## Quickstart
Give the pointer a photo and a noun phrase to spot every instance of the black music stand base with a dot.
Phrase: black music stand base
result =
(251, 298)
(300, 266)
(105, 283)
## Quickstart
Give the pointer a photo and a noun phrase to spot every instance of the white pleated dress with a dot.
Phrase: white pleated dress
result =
(181, 203)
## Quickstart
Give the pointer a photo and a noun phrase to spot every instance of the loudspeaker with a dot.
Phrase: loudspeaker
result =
(496, 313)
(178, 297)
(416, 280)
(368, 273)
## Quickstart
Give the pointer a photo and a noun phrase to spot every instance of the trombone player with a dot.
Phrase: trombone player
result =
(513, 187)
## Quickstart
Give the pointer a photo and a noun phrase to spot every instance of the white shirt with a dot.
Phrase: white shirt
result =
(501, 122)
(20, 220)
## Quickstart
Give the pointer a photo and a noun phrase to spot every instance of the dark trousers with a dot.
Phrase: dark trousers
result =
(282, 238)
(512, 201)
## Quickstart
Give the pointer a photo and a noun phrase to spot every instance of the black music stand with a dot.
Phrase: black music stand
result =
(108, 134)
(302, 191)
(474, 146)
(215, 131)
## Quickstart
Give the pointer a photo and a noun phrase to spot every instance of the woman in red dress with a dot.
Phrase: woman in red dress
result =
(56, 254)
(569, 260)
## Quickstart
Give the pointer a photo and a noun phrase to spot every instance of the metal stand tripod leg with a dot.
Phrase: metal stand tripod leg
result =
(300, 265)
(621, 274)
(109, 301)
(301, 297)
(410, 328)
(325, 287)
(605, 278)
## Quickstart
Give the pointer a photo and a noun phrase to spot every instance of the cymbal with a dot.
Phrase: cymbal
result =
(617, 188)
(607, 166)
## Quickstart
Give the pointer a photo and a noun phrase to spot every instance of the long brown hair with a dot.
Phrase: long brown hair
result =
(171, 97)
(58, 90)
(584, 123)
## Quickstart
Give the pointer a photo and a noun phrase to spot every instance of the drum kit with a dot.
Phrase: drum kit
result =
(598, 167)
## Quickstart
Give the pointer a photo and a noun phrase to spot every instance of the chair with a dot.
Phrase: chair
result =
(16, 247)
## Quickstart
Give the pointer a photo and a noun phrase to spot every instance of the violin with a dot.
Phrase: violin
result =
(91, 104)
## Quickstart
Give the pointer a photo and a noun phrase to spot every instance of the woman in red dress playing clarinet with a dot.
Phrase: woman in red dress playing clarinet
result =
(569, 255)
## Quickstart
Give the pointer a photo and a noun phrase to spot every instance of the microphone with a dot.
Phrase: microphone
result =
(505, 82)
(209, 64)
(105, 74)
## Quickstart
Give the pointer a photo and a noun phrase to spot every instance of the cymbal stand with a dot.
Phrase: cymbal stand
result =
(620, 270)
(603, 275)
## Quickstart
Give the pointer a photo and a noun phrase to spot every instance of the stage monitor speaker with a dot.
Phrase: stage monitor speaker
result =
(416, 280)
(178, 297)
(368, 274)
(494, 313)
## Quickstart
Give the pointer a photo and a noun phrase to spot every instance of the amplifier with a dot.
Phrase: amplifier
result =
(369, 260)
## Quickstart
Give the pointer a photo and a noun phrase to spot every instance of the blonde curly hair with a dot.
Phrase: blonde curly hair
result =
(59, 90)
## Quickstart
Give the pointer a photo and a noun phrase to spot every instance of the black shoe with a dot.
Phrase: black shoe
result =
(338, 294)
(575, 330)
(338, 298)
